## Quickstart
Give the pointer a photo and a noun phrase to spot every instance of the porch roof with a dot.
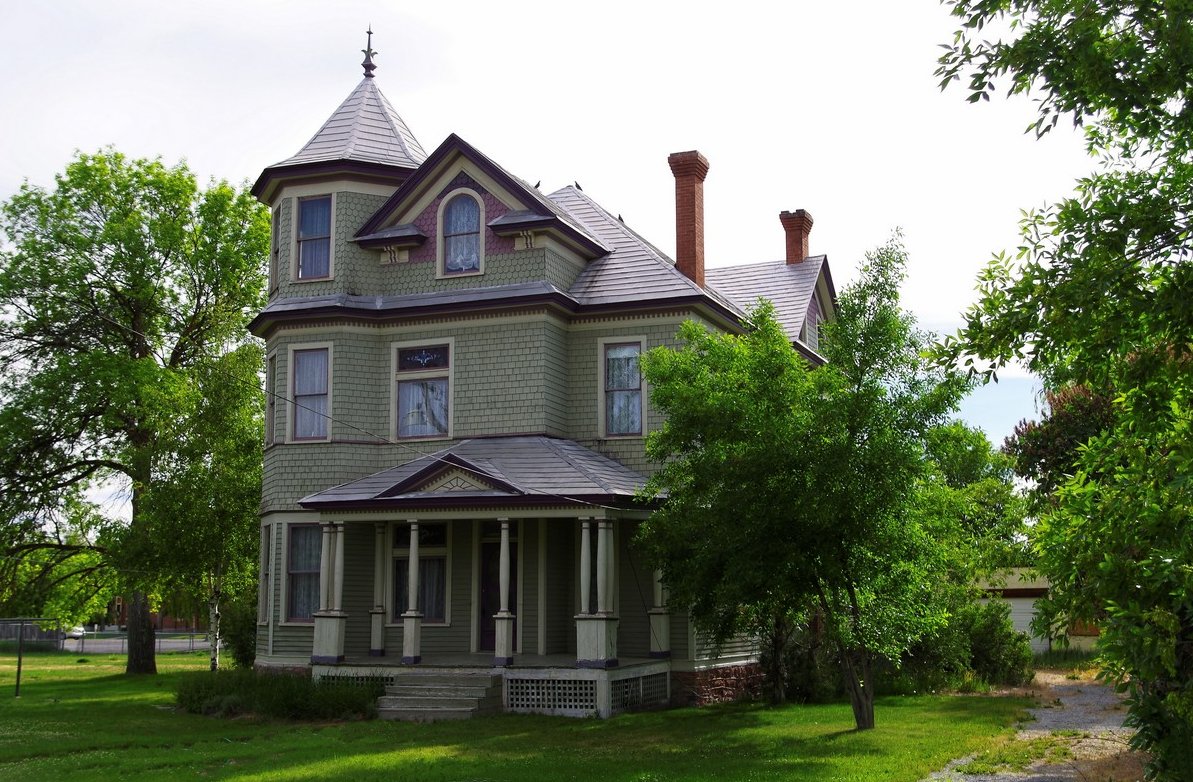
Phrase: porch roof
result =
(497, 471)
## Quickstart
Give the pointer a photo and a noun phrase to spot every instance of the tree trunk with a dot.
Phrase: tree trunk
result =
(213, 628)
(141, 638)
(861, 687)
(775, 669)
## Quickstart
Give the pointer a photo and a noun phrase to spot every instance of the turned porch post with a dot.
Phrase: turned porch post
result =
(604, 567)
(412, 619)
(503, 651)
(596, 631)
(329, 620)
(377, 612)
(585, 567)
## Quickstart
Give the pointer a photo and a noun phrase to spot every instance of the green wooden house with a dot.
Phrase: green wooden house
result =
(455, 424)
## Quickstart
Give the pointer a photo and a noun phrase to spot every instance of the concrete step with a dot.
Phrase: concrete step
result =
(440, 702)
(426, 696)
(442, 690)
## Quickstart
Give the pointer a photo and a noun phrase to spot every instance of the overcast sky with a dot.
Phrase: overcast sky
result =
(829, 107)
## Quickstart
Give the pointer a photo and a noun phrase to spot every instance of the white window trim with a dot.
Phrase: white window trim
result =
(602, 424)
(394, 347)
(284, 619)
(331, 237)
(271, 399)
(290, 405)
(402, 528)
(441, 272)
(265, 575)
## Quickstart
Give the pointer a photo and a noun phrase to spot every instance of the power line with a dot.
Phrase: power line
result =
(382, 439)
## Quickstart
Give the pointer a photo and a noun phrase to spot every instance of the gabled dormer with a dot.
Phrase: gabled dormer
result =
(322, 194)
(461, 221)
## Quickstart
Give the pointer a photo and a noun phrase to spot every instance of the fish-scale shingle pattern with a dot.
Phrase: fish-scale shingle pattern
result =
(365, 128)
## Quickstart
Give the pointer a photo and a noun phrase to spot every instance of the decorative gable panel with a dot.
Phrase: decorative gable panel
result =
(454, 480)
(426, 220)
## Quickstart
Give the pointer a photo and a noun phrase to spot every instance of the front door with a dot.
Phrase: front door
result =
(490, 591)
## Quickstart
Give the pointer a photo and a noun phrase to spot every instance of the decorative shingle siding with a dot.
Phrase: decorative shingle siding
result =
(555, 378)
(562, 269)
(427, 222)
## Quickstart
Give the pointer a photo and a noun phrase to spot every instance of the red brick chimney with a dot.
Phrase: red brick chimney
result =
(689, 169)
(797, 225)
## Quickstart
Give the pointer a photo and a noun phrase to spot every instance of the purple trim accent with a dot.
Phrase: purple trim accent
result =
(597, 664)
(319, 167)
(326, 659)
(663, 655)
(628, 502)
(412, 660)
(376, 653)
(502, 662)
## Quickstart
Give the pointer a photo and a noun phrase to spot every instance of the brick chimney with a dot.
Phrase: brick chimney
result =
(797, 225)
(689, 169)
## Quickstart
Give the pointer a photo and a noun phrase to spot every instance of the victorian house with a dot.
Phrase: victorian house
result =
(455, 422)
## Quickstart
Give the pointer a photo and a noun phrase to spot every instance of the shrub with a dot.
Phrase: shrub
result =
(238, 626)
(998, 653)
(979, 646)
(279, 696)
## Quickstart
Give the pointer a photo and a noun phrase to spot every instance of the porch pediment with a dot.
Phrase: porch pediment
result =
(528, 470)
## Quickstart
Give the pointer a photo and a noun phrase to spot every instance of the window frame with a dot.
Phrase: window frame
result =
(286, 617)
(441, 271)
(275, 248)
(271, 409)
(400, 531)
(399, 376)
(296, 240)
(292, 397)
(265, 575)
(603, 344)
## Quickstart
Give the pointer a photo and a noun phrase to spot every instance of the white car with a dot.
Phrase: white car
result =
(75, 632)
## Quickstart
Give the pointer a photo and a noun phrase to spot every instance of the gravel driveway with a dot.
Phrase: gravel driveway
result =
(1085, 706)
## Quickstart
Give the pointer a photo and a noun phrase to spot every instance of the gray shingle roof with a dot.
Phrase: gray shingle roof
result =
(507, 470)
(789, 286)
(635, 270)
(366, 128)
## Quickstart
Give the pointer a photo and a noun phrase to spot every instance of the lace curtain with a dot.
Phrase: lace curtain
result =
(306, 546)
(310, 393)
(422, 407)
(461, 235)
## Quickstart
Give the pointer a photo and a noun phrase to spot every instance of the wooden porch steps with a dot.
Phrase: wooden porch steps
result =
(427, 697)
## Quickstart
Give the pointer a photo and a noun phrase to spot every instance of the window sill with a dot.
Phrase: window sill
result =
(442, 275)
(306, 441)
(297, 623)
(300, 280)
(398, 625)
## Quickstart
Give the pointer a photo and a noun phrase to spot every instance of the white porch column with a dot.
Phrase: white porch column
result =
(585, 567)
(660, 621)
(377, 612)
(596, 633)
(412, 619)
(328, 646)
(503, 652)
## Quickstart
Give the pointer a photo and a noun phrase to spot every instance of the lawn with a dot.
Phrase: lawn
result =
(84, 719)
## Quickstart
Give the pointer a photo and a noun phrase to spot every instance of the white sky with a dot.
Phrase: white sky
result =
(831, 107)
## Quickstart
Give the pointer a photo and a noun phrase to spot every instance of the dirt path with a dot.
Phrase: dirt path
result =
(1082, 715)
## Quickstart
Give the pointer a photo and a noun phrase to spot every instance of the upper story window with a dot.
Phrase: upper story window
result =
(310, 392)
(275, 248)
(423, 390)
(622, 388)
(462, 246)
(271, 376)
(314, 238)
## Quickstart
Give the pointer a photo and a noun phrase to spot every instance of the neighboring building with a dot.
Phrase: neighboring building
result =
(455, 420)
(1020, 588)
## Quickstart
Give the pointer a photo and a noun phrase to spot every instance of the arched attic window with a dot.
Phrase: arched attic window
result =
(461, 240)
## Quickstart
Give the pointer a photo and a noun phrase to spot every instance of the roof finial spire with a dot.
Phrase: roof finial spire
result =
(368, 52)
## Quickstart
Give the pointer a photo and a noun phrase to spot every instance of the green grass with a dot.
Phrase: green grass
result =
(1018, 754)
(85, 720)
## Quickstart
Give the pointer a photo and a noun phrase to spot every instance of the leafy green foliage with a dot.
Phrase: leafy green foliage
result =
(1047, 451)
(1098, 298)
(283, 696)
(119, 289)
(787, 486)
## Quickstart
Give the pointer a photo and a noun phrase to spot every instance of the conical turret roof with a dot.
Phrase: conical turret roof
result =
(364, 128)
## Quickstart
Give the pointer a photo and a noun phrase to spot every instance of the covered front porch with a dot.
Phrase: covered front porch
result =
(462, 561)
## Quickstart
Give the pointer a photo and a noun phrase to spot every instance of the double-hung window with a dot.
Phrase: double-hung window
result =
(305, 546)
(423, 391)
(622, 388)
(314, 238)
(460, 229)
(432, 572)
(265, 568)
(310, 368)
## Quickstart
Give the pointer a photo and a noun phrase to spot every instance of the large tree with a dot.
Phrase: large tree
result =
(787, 485)
(115, 286)
(1098, 297)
